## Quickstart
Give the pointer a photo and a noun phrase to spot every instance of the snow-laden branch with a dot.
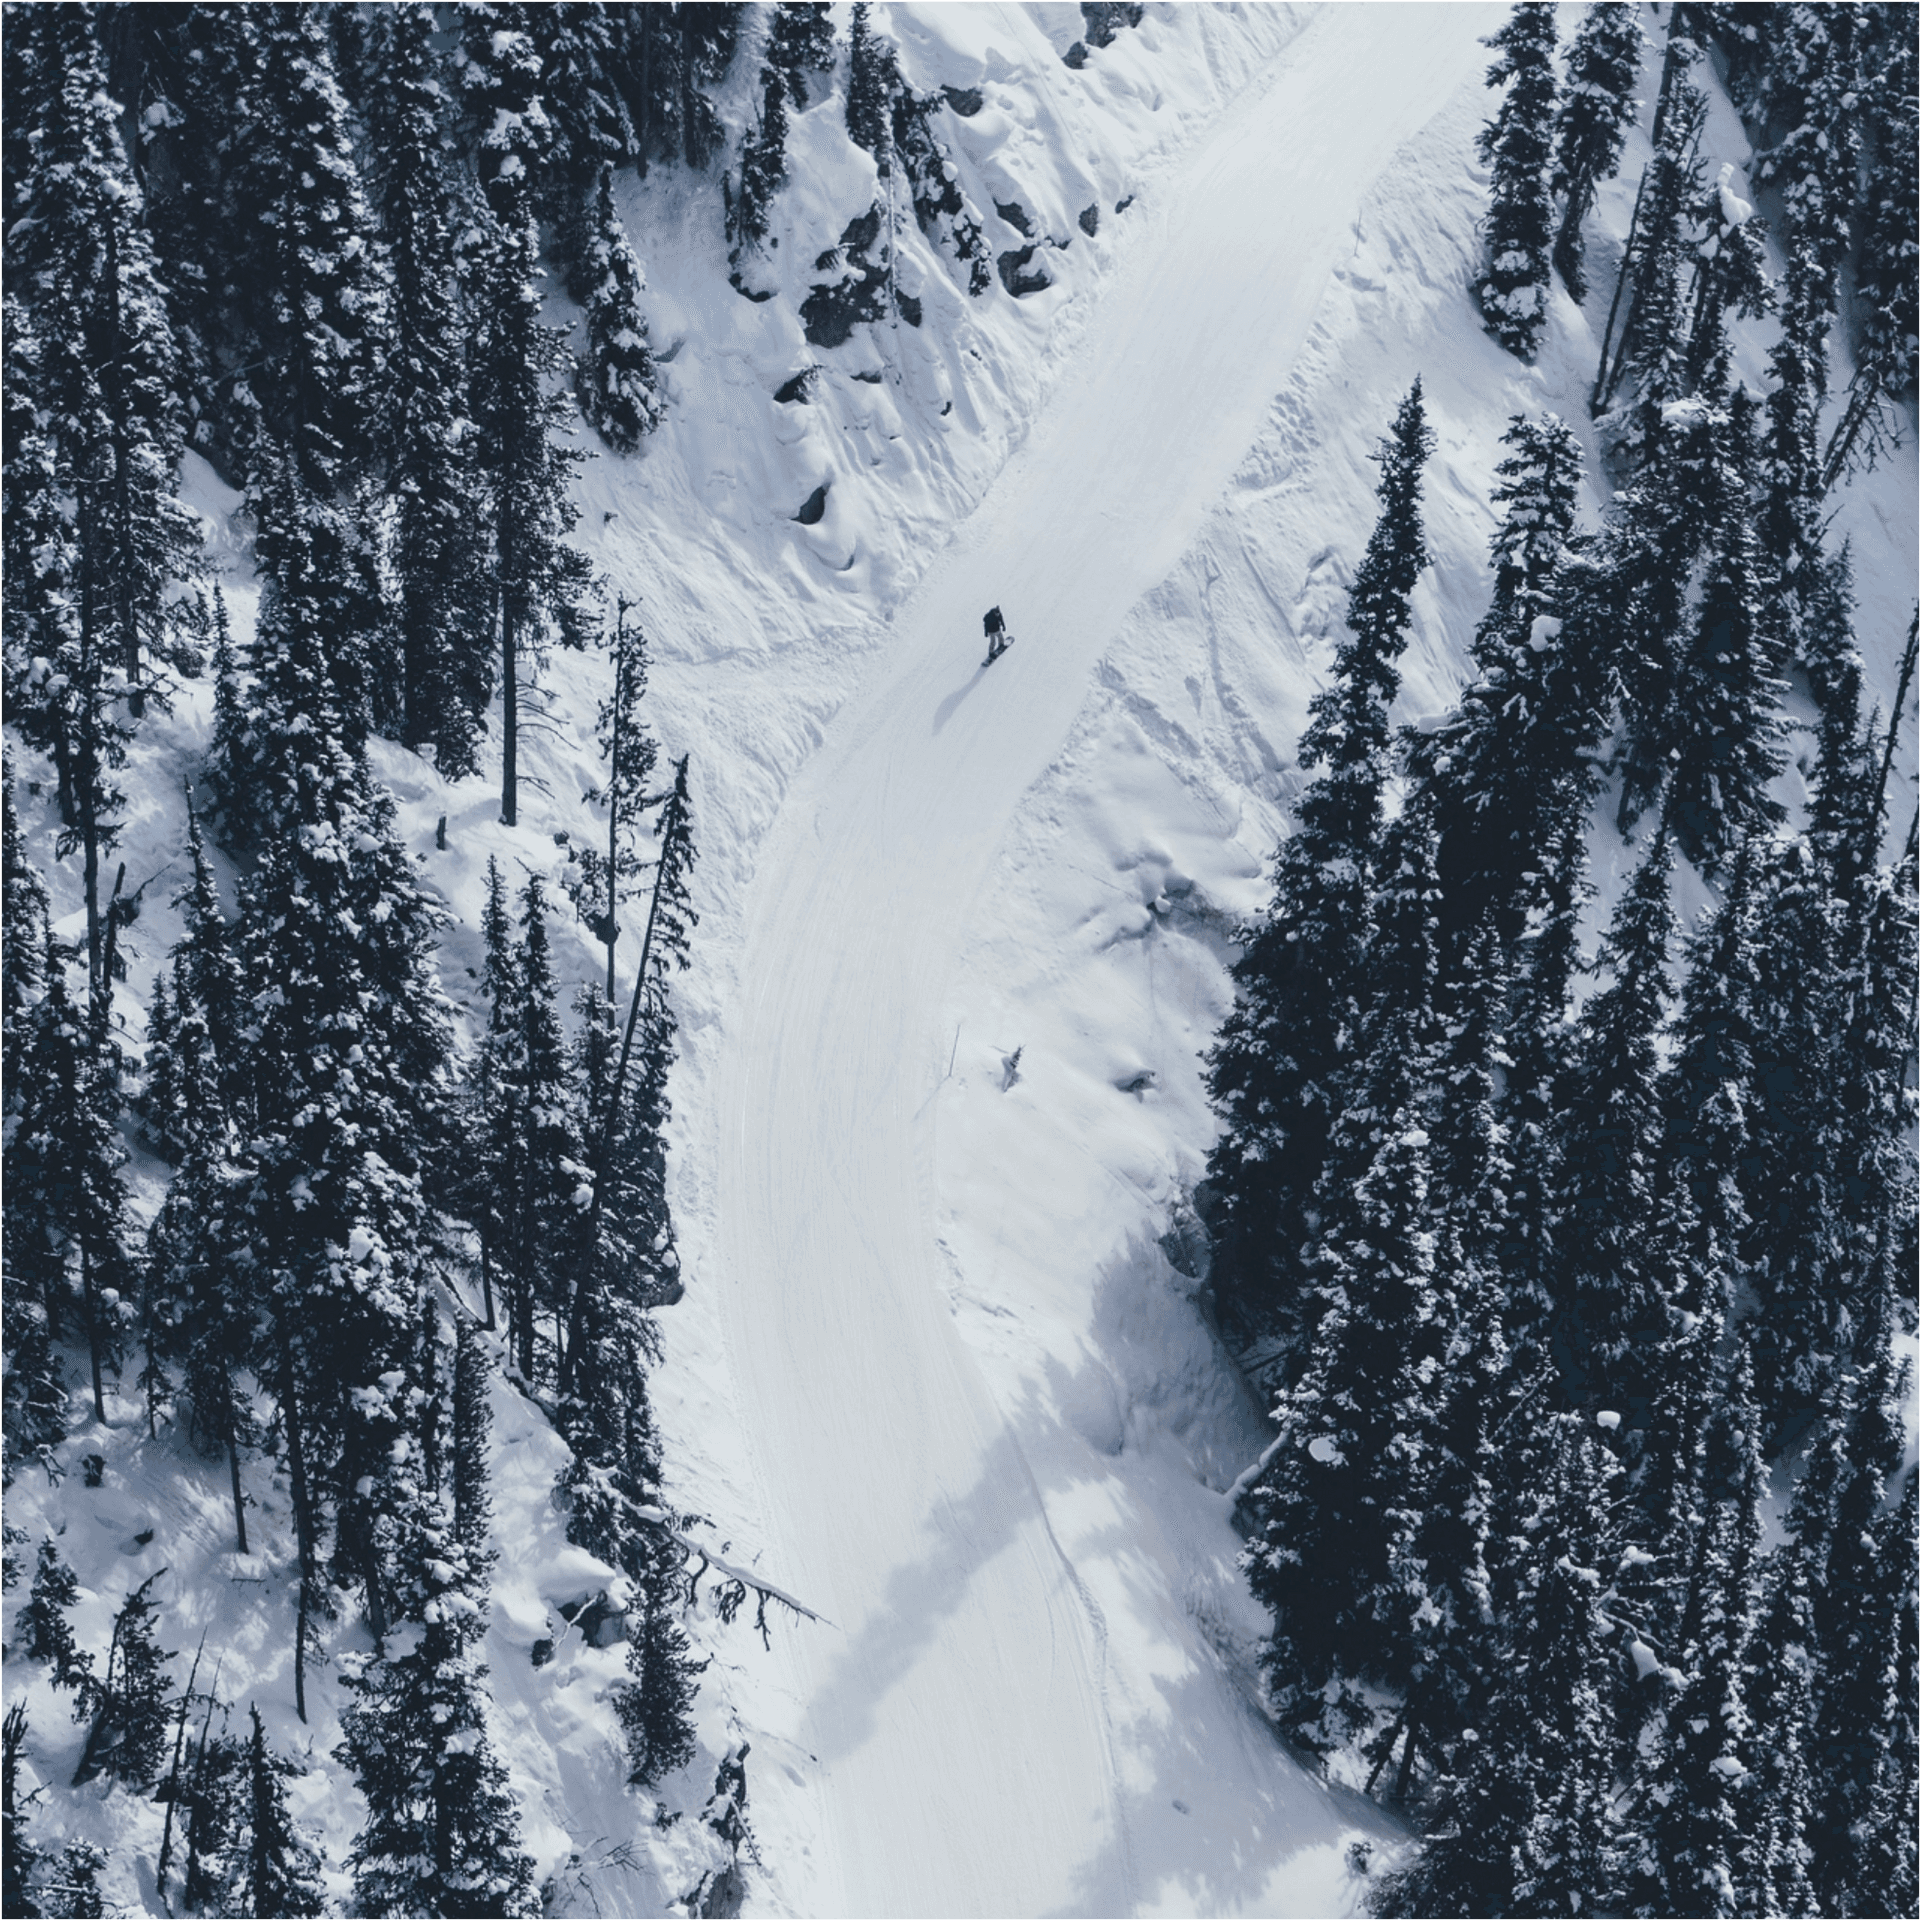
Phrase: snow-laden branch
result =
(659, 1517)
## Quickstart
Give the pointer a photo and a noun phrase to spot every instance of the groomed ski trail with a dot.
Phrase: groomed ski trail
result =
(964, 1761)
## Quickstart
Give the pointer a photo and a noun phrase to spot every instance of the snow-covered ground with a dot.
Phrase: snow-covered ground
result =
(934, 1372)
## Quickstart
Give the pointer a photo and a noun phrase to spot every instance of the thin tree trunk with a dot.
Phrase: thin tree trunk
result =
(1907, 660)
(509, 717)
(1405, 1778)
(173, 1781)
(604, 1159)
(300, 1651)
(1386, 1751)
(233, 1472)
(302, 1520)
(87, 775)
(122, 463)
(93, 1329)
(194, 1822)
(1594, 401)
(643, 125)
(613, 797)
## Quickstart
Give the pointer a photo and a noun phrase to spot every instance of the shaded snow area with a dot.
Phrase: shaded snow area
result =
(943, 1368)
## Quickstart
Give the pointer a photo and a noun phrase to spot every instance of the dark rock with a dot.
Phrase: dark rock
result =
(1015, 277)
(1188, 1246)
(746, 292)
(965, 101)
(814, 509)
(1015, 215)
(1076, 55)
(871, 379)
(1105, 18)
(1090, 220)
(1120, 206)
(799, 388)
(832, 310)
(721, 1896)
(542, 1652)
(910, 308)
(601, 1623)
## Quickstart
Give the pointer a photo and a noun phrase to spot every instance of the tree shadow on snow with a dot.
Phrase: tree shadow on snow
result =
(1218, 1816)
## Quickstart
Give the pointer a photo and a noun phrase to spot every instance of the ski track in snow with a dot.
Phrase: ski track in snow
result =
(966, 1763)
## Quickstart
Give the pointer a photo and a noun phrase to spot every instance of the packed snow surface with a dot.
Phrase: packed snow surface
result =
(1018, 1714)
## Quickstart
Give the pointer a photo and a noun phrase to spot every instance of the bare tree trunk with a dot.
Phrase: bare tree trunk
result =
(302, 1520)
(509, 718)
(233, 1472)
(87, 1293)
(1907, 660)
(122, 496)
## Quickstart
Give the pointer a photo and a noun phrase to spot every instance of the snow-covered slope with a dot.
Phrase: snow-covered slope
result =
(1017, 1638)
(934, 1372)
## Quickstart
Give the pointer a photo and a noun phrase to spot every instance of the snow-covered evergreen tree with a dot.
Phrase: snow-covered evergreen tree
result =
(1331, 1523)
(1512, 762)
(506, 108)
(1814, 166)
(47, 1633)
(1729, 274)
(196, 1093)
(19, 1856)
(66, 1203)
(1607, 1292)
(763, 171)
(870, 73)
(1597, 108)
(1523, 1819)
(605, 882)
(800, 42)
(940, 204)
(495, 1107)
(578, 49)
(1692, 489)
(1297, 983)
(107, 375)
(134, 1701)
(655, 1704)
(277, 1870)
(1720, 737)
(1656, 274)
(442, 1832)
(554, 1185)
(440, 540)
(541, 583)
(1698, 1814)
(34, 1396)
(1776, 1856)
(619, 385)
(1888, 262)
(1859, 1604)
(1517, 144)
(322, 318)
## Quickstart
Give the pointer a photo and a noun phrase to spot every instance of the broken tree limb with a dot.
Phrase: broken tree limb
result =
(661, 1518)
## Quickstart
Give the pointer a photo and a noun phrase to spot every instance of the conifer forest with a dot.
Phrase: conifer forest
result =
(670, 1247)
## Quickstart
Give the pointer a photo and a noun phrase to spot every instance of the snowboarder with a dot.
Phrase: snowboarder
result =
(998, 638)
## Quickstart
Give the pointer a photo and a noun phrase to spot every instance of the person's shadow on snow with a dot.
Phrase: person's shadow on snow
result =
(945, 710)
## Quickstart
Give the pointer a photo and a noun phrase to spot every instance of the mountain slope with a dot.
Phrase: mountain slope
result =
(971, 1694)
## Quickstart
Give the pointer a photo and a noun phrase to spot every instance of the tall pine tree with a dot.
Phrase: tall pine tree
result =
(1274, 1070)
(1517, 143)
